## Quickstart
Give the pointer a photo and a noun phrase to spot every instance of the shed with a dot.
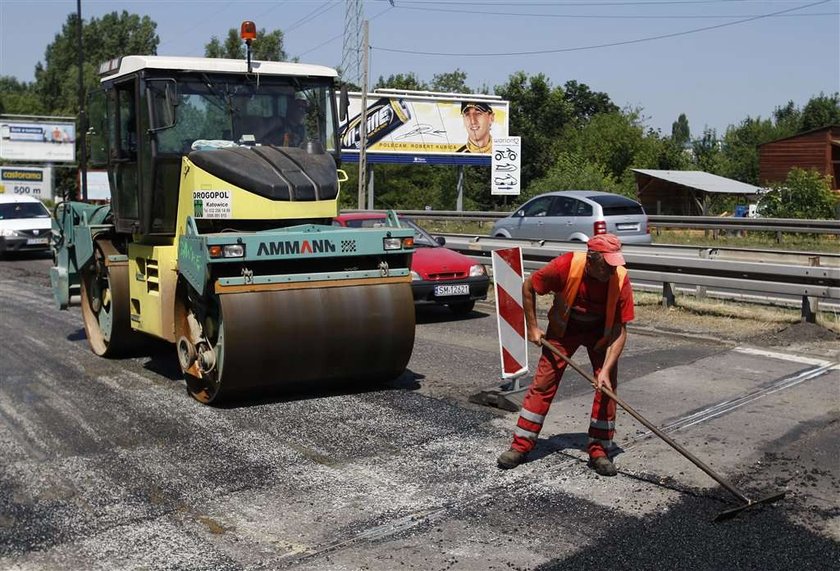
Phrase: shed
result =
(685, 192)
(816, 149)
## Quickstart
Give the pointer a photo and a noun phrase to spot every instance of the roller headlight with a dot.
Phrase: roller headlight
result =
(415, 277)
(8, 232)
(227, 251)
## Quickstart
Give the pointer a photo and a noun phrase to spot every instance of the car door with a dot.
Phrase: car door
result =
(560, 222)
(534, 216)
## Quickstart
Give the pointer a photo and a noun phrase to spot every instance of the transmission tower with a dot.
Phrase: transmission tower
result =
(351, 57)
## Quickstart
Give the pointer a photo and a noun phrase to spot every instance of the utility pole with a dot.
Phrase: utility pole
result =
(363, 118)
(81, 136)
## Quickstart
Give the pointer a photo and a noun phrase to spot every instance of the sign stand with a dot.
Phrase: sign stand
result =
(513, 342)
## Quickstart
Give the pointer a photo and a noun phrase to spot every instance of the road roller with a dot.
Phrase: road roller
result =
(218, 235)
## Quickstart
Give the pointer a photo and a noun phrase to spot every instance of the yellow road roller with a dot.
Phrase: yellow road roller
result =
(218, 235)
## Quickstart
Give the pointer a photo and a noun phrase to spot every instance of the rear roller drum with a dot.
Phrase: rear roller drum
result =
(105, 303)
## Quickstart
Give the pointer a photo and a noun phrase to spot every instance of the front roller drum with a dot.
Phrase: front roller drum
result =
(301, 337)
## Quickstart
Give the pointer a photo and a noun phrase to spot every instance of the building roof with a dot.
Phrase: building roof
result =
(833, 126)
(707, 182)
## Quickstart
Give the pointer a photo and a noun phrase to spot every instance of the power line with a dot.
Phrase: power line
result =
(605, 45)
(611, 16)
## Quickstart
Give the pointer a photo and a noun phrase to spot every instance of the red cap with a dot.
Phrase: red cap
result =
(609, 245)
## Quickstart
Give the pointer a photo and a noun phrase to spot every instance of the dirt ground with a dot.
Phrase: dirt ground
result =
(750, 324)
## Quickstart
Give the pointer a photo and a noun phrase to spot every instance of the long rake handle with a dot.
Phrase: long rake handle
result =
(607, 391)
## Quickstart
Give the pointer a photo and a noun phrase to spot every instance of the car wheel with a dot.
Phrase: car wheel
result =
(462, 308)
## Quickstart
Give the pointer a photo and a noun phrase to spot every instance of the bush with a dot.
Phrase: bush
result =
(805, 194)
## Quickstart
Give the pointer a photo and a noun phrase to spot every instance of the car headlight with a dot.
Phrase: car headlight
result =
(415, 277)
(8, 232)
(477, 270)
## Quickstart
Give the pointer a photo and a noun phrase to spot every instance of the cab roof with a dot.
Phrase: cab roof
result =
(132, 64)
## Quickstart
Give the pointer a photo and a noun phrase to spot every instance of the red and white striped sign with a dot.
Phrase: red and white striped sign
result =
(510, 315)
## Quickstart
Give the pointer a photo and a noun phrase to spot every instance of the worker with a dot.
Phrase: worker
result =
(593, 302)
(295, 132)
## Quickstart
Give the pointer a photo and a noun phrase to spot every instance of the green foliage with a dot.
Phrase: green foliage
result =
(18, 98)
(804, 194)
(402, 81)
(265, 47)
(452, 82)
(573, 172)
(821, 111)
(538, 112)
(680, 131)
(114, 35)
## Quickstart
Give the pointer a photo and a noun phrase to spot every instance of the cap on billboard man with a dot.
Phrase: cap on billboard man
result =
(478, 119)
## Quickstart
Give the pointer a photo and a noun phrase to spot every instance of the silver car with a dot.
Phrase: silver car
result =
(576, 216)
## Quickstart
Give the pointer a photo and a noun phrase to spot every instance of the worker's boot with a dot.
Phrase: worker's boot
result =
(603, 466)
(510, 459)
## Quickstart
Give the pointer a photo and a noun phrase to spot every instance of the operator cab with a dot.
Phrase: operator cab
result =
(153, 110)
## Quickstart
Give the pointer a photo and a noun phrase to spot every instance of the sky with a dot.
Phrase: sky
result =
(717, 61)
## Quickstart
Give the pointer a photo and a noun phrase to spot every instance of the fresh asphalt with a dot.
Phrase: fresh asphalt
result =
(108, 464)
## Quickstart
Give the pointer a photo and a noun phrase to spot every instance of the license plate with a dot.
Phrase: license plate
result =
(627, 226)
(36, 241)
(445, 290)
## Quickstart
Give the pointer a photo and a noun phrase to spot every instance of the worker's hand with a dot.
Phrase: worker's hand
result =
(535, 335)
(603, 380)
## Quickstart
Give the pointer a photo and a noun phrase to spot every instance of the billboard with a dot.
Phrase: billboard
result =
(422, 127)
(37, 141)
(29, 181)
(98, 187)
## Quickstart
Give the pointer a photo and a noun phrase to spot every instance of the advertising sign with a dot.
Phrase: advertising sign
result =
(97, 185)
(28, 181)
(32, 141)
(505, 166)
(426, 125)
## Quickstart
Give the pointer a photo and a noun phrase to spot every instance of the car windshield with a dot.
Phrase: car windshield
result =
(615, 205)
(421, 237)
(17, 210)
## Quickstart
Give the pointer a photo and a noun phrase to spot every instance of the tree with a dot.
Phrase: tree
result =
(112, 36)
(408, 81)
(821, 111)
(585, 102)
(265, 47)
(573, 172)
(680, 132)
(538, 113)
(451, 82)
(18, 98)
(804, 194)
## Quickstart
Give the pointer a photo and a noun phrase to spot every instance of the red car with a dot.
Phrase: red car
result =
(438, 275)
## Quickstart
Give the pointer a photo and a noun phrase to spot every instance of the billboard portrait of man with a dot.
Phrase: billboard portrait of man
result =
(478, 119)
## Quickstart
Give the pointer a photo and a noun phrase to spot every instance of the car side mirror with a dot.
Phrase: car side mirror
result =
(343, 102)
(440, 240)
(520, 214)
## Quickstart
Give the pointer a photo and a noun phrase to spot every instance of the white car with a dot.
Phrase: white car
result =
(25, 224)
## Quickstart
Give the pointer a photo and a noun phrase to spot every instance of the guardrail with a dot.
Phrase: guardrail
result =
(808, 282)
(777, 225)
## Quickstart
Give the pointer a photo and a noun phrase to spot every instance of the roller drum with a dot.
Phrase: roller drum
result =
(276, 338)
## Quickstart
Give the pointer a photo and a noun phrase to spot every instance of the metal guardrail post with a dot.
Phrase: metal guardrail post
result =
(810, 304)
(668, 298)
